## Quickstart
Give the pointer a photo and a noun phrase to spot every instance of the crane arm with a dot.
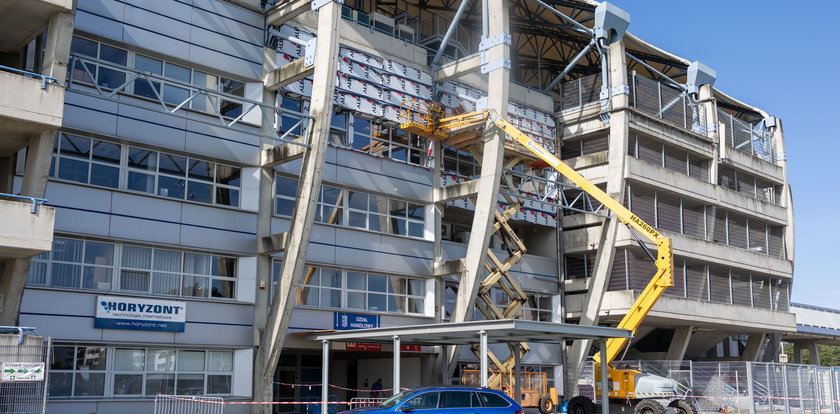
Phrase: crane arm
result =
(664, 258)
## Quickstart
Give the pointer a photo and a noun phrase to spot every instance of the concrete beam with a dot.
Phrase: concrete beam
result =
(281, 154)
(458, 68)
(448, 267)
(679, 343)
(286, 10)
(286, 74)
(273, 244)
(457, 191)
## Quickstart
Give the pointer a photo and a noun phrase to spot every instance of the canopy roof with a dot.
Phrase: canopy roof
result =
(466, 333)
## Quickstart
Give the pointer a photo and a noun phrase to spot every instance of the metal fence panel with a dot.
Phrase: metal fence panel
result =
(188, 404)
(24, 396)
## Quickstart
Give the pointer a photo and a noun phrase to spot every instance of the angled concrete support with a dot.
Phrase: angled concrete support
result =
(753, 348)
(456, 191)
(491, 172)
(311, 174)
(287, 10)
(679, 343)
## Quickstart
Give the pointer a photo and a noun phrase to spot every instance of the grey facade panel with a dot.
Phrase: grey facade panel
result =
(322, 245)
(145, 230)
(360, 250)
(152, 127)
(222, 218)
(407, 256)
(217, 240)
(89, 113)
(162, 44)
(100, 18)
(222, 62)
(136, 205)
(218, 142)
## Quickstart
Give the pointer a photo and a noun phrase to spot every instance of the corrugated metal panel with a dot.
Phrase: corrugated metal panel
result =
(650, 150)
(758, 236)
(639, 270)
(698, 167)
(676, 160)
(618, 274)
(693, 219)
(761, 292)
(737, 231)
(668, 212)
(776, 241)
(697, 284)
(741, 294)
(719, 285)
(726, 178)
(746, 184)
(642, 204)
(595, 144)
(719, 235)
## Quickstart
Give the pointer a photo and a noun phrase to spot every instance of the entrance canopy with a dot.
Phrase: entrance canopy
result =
(466, 333)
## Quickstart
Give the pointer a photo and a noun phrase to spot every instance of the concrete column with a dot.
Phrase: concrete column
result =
(491, 172)
(57, 49)
(753, 348)
(813, 353)
(679, 343)
(618, 141)
(797, 353)
(323, 87)
(7, 174)
(262, 390)
(706, 97)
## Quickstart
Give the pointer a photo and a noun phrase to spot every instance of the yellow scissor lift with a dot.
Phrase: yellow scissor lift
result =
(628, 385)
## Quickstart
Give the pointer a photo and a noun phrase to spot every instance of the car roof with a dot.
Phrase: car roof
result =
(453, 387)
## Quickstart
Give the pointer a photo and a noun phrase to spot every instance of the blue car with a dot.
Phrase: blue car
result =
(445, 400)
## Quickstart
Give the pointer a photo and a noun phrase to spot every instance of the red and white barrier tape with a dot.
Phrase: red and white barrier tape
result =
(318, 384)
(172, 397)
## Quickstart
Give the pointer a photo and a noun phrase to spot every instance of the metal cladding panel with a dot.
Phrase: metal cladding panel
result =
(82, 222)
(361, 249)
(136, 205)
(89, 113)
(144, 229)
(238, 23)
(173, 10)
(407, 256)
(218, 60)
(100, 18)
(322, 245)
(162, 44)
(219, 142)
(361, 171)
(79, 197)
(217, 334)
(151, 127)
(407, 181)
(233, 49)
(169, 24)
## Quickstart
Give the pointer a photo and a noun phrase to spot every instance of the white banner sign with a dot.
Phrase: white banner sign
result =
(22, 371)
(120, 312)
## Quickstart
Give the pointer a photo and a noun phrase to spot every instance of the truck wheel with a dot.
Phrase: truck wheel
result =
(582, 405)
(546, 405)
(683, 407)
(649, 407)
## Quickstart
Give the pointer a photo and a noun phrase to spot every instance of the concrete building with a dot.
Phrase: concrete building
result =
(230, 175)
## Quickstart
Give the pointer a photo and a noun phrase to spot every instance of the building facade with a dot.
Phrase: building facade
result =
(231, 175)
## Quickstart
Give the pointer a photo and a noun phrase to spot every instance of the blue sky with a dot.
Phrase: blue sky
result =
(785, 59)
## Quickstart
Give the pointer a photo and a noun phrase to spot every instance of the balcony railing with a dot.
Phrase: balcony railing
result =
(36, 202)
(45, 80)
(667, 103)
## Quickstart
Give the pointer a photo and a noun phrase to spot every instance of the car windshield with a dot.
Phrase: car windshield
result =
(392, 401)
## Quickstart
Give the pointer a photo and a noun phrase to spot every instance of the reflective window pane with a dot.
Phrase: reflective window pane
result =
(63, 357)
(201, 170)
(67, 250)
(89, 384)
(91, 358)
(74, 170)
(190, 384)
(219, 384)
(106, 152)
(104, 175)
(128, 384)
(61, 384)
(98, 278)
(173, 164)
(191, 361)
(201, 192)
(228, 175)
(160, 360)
(223, 289)
(129, 359)
(141, 182)
(143, 159)
(171, 187)
(219, 361)
(160, 384)
(227, 196)
(224, 266)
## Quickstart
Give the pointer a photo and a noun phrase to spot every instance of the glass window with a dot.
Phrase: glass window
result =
(493, 400)
(219, 361)
(455, 399)
(424, 401)
(191, 361)
(129, 359)
(160, 360)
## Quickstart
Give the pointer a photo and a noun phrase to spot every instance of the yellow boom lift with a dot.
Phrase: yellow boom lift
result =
(647, 393)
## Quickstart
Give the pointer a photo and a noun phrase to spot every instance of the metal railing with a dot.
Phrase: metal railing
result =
(84, 79)
(580, 92)
(45, 80)
(34, 200)
(667, 103)
(753, 139)
(188, 404)
(25, 371)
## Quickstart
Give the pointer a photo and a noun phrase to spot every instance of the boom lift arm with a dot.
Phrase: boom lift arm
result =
(664, 259)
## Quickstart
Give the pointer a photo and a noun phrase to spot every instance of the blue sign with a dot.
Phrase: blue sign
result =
(117, 312)
(346, 321)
